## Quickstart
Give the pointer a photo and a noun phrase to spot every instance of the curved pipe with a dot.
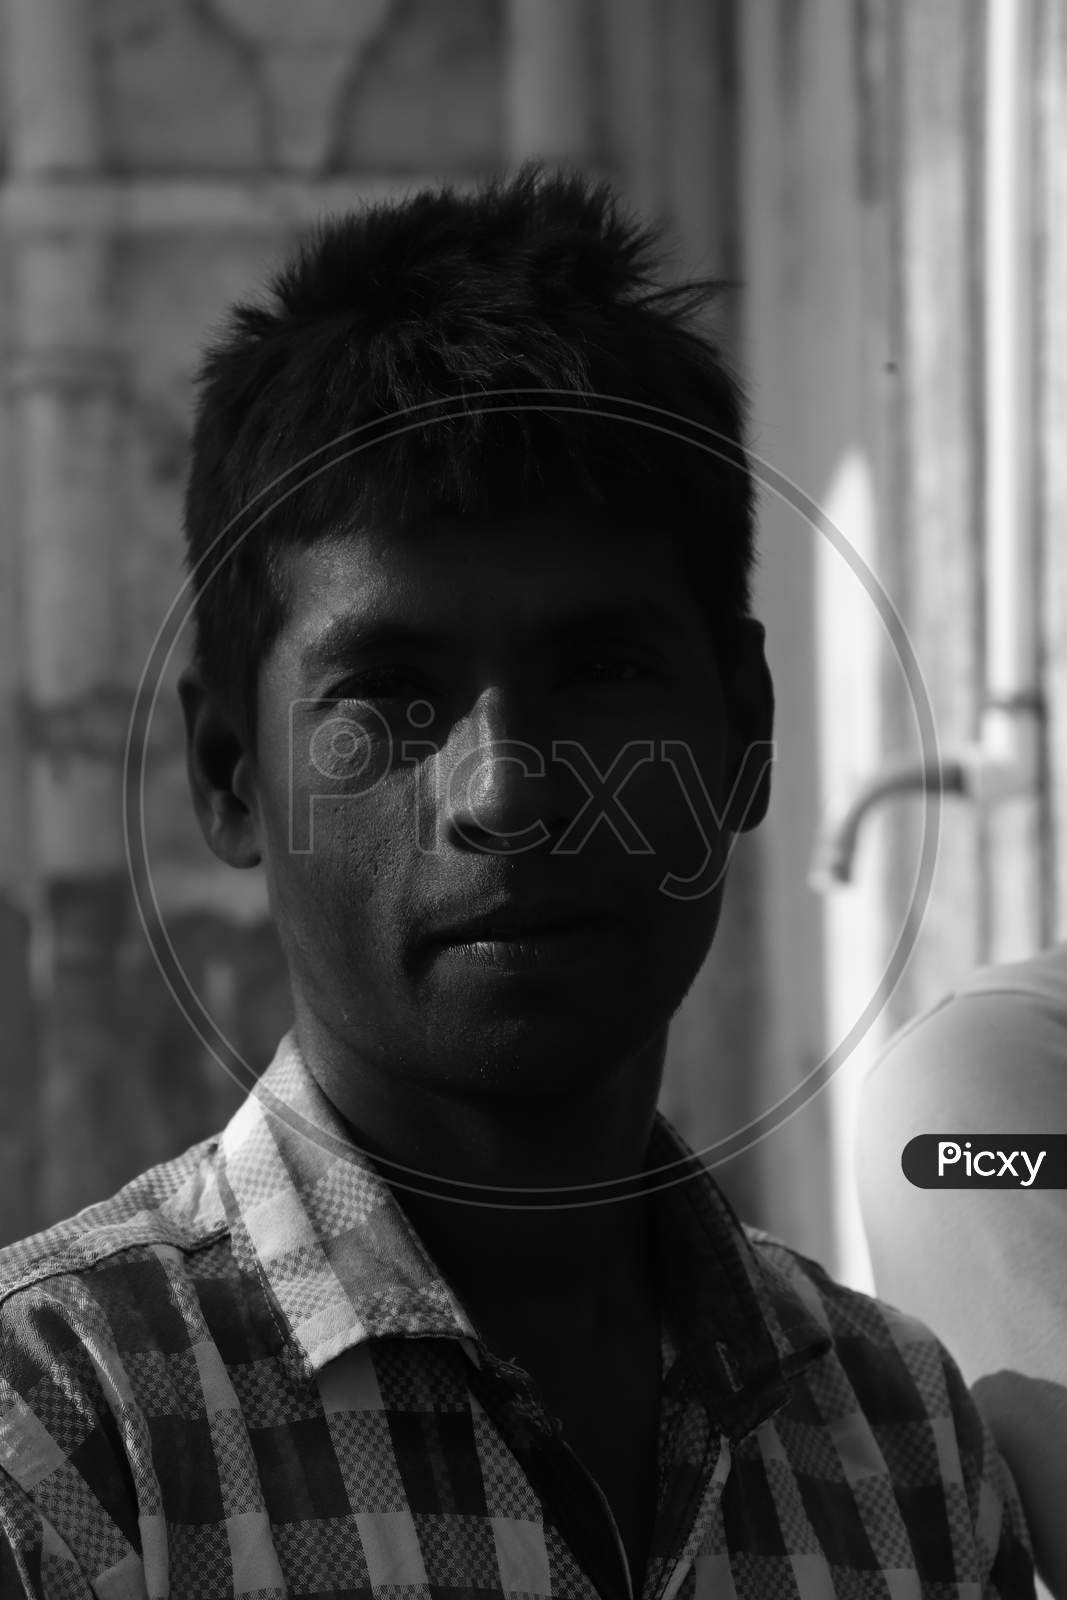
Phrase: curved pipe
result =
(1004, 765)
(836, 849)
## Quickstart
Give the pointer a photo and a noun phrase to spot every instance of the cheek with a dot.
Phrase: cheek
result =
(333, 799)
(357, 854)
(337, 865)
(678, 795)
(677, 802)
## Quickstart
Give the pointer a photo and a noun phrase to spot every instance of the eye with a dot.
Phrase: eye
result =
(615, 669)
(382, 683)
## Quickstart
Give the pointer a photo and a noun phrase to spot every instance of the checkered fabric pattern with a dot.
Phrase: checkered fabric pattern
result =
(243, 1375)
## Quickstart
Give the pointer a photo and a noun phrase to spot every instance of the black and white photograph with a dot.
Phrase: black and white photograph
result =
(533, 799)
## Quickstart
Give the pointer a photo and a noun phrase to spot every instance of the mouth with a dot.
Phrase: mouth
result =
(507, 941)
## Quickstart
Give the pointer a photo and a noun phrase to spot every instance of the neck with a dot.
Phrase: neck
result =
(520, 1200)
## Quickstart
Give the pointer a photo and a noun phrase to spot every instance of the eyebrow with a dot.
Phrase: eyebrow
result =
(347, 636)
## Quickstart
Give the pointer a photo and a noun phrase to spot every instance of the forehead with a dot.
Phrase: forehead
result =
(480, 577)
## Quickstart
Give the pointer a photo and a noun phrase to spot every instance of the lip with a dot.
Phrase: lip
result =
(532, 937)
(559, 947)
(512, 916)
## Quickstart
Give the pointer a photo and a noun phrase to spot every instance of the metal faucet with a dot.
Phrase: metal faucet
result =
(835, 849)
(1003, 766)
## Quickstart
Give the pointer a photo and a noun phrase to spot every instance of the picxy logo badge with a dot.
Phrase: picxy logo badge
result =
(986, 1161)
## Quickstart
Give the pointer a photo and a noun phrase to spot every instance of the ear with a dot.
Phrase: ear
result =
(221, 774)
(749, 692)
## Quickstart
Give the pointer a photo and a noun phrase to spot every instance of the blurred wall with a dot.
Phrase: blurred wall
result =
(903, 227)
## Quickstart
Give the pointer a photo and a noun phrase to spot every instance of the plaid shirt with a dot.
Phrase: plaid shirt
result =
(244, 1376)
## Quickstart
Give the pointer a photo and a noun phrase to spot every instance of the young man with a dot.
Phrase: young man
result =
(447, 1308)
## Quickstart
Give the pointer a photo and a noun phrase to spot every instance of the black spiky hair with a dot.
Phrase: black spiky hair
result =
(509, 351)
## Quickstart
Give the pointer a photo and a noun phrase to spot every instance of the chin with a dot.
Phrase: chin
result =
(540, 1058)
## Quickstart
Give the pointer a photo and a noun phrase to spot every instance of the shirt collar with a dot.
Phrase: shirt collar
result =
(312, 1217)
(743, 1328)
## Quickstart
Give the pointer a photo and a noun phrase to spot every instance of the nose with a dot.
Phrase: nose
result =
(496, 792)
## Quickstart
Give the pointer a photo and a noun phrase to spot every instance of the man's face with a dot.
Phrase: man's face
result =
(490, 765)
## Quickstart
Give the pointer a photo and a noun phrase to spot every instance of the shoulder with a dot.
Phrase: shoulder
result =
(990, 1062)
(98, 1314)
(83, 1302)
(996, 1045)
(874, 1339)
(897, 1418)
(884, 1365)
(891, 1365)
(985, 1266)
(176, 1204)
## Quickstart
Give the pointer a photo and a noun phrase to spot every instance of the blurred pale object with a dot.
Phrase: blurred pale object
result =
(311, 25)
(309, 52)
(548, 87)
